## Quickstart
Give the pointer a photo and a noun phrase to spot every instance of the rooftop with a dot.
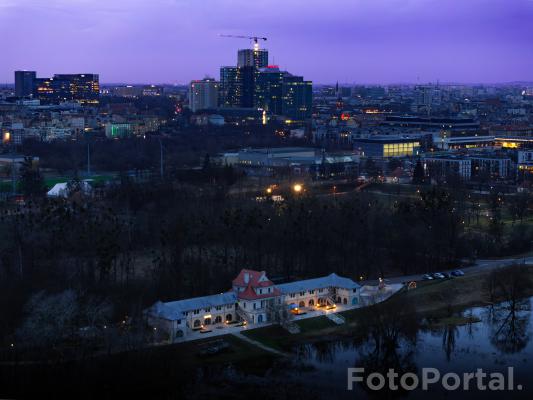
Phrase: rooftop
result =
(332, 280)
(174, 309)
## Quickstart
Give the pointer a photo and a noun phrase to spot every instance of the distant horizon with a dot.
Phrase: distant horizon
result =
(509, 83)
(361, 41)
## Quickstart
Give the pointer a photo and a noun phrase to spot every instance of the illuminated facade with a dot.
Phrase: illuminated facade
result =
(297, 98)
(81, 88)
(255, 84)
(257, 58)
(253, 299)
(229, 90)
(514, 142)
(387, 146)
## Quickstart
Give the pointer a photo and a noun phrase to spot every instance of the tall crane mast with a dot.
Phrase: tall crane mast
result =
(255, 39)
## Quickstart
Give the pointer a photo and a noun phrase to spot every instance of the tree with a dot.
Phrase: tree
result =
(50, 318)
(372, 169)
(418, 173)
(31, 180)
(393, 164)
(518, 205)
(74, 186)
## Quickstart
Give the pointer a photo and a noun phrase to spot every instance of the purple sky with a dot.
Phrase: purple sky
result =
(361, 41)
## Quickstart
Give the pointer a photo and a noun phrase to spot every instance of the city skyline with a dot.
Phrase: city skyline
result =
(368, 42)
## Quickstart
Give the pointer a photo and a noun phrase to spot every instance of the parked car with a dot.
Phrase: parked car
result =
(446, 274)
(438, 275)
(427, 277)
(458, 272)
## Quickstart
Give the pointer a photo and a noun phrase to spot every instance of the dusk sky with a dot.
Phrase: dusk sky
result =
(359, 41)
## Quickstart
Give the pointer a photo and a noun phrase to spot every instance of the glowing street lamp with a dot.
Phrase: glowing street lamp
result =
(297, 188)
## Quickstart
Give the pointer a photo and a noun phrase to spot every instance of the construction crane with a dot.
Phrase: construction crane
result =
(254, 38)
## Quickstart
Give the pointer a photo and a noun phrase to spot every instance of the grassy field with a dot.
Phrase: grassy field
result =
(313, 324)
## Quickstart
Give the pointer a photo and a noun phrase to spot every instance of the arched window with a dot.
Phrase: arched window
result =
(345, 300)
(229, 318)
(197, 323)
(311, 303)
(301, 304)
(218, 319)
(207, 321)
(260, 318)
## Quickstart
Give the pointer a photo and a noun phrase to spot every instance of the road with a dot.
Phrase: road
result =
(479, 266)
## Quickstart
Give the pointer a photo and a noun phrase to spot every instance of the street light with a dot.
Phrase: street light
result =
(297, 188)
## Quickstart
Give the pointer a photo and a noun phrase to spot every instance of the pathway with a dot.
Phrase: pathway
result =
(336, 318)
(260, 345)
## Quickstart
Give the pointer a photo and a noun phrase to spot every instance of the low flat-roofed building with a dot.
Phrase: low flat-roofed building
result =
(444, 142)
(388, 146)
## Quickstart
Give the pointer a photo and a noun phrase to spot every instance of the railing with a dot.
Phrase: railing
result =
(242, 315)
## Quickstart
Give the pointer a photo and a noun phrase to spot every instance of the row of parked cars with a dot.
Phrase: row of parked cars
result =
(443, 275)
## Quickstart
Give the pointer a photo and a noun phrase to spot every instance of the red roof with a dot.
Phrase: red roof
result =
(254, 279)
(250, 294)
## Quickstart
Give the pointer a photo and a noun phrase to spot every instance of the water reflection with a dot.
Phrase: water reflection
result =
(508, 325)
(396, 339)
(391, 339)
(449, 335)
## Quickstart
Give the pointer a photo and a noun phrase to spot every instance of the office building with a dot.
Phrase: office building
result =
(257, 58)
(83, 88)
(269, 90)
(44, 90)
(246, 78)
(24, 83)
(229, 87)
(297, 98)
(203, 94)
(254, 84)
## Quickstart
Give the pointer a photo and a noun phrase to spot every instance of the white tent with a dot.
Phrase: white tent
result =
(61, 189)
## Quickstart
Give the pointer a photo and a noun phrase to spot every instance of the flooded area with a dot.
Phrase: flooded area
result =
(492, 338)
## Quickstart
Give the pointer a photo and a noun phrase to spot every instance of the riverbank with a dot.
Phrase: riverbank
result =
(435, 300)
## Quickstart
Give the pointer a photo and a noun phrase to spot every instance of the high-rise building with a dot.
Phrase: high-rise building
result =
(44, 90)
(256, 57)
(24, 83)
(297, 98)
(255, 84)
(229, 87)
(269, 89)
(246, 86)
(84, 88)
(203, 94)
